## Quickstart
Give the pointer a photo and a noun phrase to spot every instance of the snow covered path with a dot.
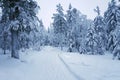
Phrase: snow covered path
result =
(53, 64)
(43, 65)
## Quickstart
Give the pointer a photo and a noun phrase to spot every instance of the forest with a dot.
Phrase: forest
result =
(20, 28)
(73, 47)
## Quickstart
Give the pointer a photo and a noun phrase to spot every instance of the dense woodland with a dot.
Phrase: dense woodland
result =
(20, 28)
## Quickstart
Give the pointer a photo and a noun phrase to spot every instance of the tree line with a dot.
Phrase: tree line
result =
(79, 34)
(20, 28)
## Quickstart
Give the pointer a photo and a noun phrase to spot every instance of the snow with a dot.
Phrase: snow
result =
(52, 64)
(94, 67)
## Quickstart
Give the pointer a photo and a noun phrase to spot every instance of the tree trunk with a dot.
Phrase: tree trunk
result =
(4, 43)
(15, 46)
(4, 46)
(61, 47)
(4, 51)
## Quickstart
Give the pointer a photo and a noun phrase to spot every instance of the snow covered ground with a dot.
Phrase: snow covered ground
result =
(52, 64)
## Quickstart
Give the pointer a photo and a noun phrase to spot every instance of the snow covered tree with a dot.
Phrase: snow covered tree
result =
(83, 27)
(91, 40)
(116, 51)
(69, 28)
(18, 14)
(73, 28)
(76, 24)
(59, 25)
(111, 22)
(39, 36)
(42, 33)
(51, 36)
(5, 41)
(100, 31)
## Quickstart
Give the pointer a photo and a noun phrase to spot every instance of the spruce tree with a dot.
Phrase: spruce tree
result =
(59, 25)
(69, 28)
(99, 31)
(91, 41)
(110, 17)
(18, 15)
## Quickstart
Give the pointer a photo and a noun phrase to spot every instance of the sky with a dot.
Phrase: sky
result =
(86, 7)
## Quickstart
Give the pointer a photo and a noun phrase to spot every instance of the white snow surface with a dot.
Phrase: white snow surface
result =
(52, 64)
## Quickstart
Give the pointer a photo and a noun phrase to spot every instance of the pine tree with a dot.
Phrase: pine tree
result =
(76, 29)
(73, 27)
(18, 15)
(50, 36)
(111, 23)
(40, 36)
(59, 25)
(69, 28)
(100, 31)
(116, 51)
(91, 41)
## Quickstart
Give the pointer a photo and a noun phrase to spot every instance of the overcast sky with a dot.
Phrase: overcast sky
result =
(48, 7)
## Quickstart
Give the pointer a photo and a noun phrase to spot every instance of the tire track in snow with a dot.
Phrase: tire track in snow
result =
(69, 69)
